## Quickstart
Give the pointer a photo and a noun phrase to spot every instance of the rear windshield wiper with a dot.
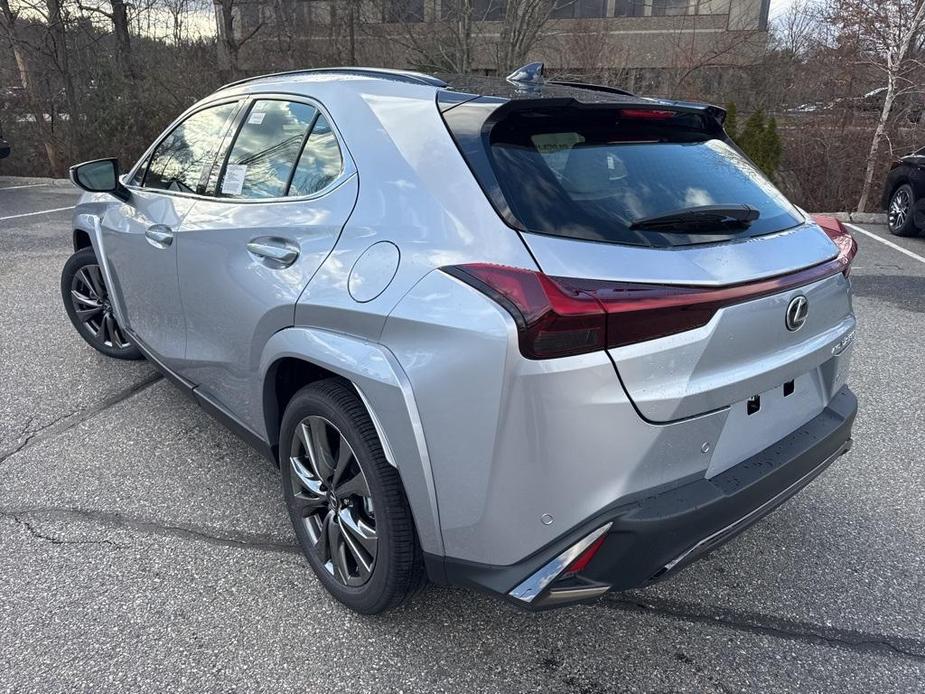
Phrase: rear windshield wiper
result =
(704, 218)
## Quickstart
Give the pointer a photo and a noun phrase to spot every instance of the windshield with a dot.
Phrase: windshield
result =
(591, 174)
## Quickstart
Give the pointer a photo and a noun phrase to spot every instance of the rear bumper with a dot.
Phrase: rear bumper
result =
(660, 531)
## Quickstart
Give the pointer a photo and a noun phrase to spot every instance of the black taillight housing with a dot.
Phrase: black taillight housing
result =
(552, 320)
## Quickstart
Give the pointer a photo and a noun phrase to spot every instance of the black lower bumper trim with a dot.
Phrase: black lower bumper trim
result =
(658, 533)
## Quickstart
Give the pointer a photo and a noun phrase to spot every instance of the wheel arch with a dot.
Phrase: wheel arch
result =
(81, 240)
(296, 357)
(902, 179)
(283, 379)
(87, 233)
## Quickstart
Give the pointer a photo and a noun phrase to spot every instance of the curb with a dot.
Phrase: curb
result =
(30, 180)
(859, 217)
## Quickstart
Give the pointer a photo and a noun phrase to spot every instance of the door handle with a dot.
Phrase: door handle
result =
(278, 253)
(159, 235)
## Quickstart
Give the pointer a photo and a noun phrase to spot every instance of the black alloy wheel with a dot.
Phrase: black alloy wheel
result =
(89, 306)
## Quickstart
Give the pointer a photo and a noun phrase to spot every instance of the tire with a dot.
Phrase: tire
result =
(328, 509)
(86, 300)
(901, 212)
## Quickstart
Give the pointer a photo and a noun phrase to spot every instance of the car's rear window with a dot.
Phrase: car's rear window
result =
(590, 173)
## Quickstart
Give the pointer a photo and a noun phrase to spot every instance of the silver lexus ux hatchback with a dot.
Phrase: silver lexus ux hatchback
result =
(544, 339)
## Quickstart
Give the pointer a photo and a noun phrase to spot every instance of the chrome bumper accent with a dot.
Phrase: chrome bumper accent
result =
(530, 589)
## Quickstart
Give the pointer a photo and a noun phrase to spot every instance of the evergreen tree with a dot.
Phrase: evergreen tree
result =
(751, 139)
(732, 119)
(772, 148)
(758, 138)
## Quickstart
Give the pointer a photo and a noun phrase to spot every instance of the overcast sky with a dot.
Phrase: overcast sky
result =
(778, 6)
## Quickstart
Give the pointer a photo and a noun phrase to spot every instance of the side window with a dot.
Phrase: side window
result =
(320, 163)
(182, 157)
(265, 150)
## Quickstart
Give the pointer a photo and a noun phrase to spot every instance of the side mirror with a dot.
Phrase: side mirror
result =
(100, 176)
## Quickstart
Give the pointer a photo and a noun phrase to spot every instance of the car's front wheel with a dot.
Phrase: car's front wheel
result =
(900, 217)
(87, 302)
(346, 501)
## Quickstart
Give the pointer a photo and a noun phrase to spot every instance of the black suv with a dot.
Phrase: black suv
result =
(904, 194)
(4, 146)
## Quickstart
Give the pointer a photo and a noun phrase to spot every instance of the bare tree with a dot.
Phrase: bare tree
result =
(460, 29)
(116, 13)
(695, 52)
(177, 22)
(444, 42)
(60, 55)
(229, 43)
(10, 25)
(796, 29)
(178, 10)
(886, 32)
(521, 25)
(352, 18)
(51, 20)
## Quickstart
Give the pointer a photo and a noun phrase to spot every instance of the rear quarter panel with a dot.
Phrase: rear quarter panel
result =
(415, 192)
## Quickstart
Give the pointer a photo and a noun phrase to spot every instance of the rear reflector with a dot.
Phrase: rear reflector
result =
(560, 316)
(581, 563)
(534, 585)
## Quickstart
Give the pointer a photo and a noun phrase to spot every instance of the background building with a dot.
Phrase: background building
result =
(646, 41)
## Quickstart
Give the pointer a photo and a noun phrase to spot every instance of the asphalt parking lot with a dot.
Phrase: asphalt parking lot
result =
(142, 546)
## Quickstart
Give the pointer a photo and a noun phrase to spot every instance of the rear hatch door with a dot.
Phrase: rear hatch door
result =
(746, 347)
(575, 180)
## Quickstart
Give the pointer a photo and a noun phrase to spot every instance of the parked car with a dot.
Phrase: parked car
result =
(544, 339)
(904, 195)
(908, 106)
(4, 146)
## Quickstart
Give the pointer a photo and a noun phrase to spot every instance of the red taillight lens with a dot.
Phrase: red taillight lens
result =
(639, 312)
(560, 316)
(847, 246)
(646, 114)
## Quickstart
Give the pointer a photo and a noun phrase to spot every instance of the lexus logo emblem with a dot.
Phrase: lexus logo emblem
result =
(797, 311)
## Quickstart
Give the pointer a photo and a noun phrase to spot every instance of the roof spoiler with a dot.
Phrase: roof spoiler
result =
(711, 113)
(532, 77)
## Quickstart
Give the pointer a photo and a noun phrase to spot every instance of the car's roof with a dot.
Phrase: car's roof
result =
(451, 88)
(465, 84)
(402, 76)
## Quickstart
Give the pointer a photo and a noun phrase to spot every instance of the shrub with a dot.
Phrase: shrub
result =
(759, 139)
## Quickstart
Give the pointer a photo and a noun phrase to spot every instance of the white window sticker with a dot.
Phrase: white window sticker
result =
(233, 183)
(257, 118)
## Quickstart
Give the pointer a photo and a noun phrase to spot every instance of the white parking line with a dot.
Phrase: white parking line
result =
(914, 256)
(29, 185)
(32, 214)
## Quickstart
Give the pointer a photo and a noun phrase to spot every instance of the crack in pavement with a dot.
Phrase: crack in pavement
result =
(777, 627)
(263, 543)
(36, 533)
(70, 420)
(739, 620)
(27, 434)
